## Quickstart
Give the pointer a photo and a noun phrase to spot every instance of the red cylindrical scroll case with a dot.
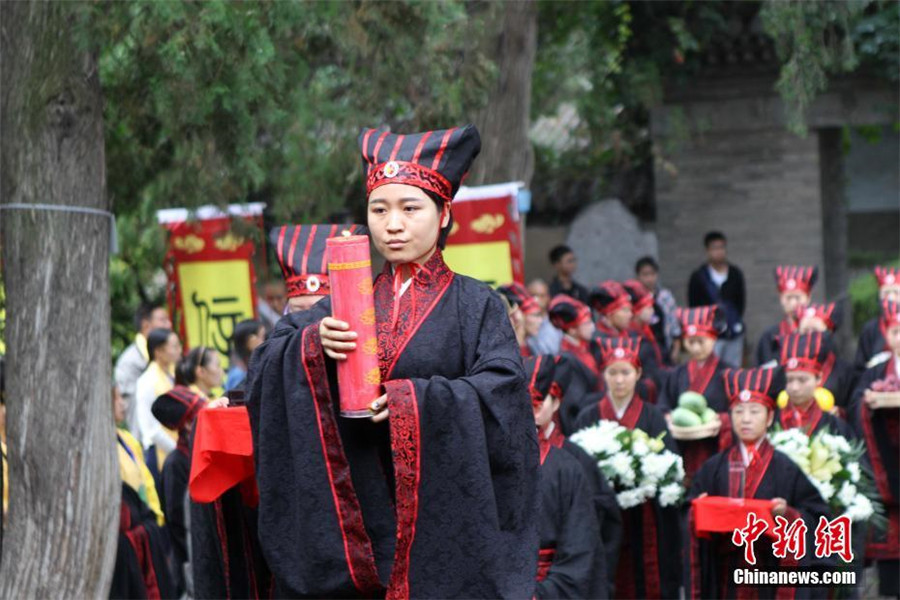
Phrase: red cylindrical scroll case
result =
(352, 301)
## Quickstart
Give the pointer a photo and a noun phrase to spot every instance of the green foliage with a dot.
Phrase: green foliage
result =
(822, 38)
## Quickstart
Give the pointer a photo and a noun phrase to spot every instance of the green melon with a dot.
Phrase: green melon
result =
(708, 416)
(684, 417)
(692, 401)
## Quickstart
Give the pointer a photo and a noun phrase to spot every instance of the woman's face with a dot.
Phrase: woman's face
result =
(699, 347)
(791, 301)
(210, 375)
(170, 352)
(751, 420)
(585, 331)
(543, 414)
(621, 379)
(621, 318)
(404, 222)
(890, 292)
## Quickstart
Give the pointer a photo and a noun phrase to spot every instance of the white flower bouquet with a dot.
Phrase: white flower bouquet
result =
(832, 464)
(637, 466)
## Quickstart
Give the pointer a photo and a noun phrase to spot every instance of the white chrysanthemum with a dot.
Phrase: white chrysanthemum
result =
(861, 509)
(655, 466)
(847, 494)
(853, 469)
(670, 494)
(825, 488)
(620, 465)
(640, 448)
(629, 499)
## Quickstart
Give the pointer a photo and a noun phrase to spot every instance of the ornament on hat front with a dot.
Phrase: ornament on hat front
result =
(619, 353)
(745, 396)
(791, 284)
(391, 169)
(313, 284)
(810, 312)
(692, 330)
(890, 279)
(792, 364)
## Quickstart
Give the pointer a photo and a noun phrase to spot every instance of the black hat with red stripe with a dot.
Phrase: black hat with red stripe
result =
(566, 312)
(824, 312)
(705, 321)
(177, 407)
(609, 296)
(540, 372)
(887, 276)
(751, 385)
(804, 351)
(790, 278)
(301, 253)
(516, 293)
(434, 161)
(640, 297)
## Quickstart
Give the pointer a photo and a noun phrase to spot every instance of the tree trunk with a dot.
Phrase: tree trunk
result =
(64, 484)
(506, 152)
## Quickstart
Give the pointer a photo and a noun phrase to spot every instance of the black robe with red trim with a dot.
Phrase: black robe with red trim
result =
(812, 421)
(175, 473)
(571, 562)
(226, 558)
(880, 430)
(649, 563)
(706, 380)
(767, 347)
(441, 500)
(142, 568)
(712, 560)
(871, 342)
(579, 386)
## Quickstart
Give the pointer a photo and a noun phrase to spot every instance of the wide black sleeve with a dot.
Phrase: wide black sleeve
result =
(670, 390)
(175, 480)
(765, 349)
(697, 295)
(864, 382)
(740, 292)
(575, 563)
(868, 345)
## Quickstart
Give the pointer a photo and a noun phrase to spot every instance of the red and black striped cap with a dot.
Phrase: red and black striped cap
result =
(887, 276)
(640, 297)
(435, 161)
(566, 312)
(300, 250)
(619, 349)
(750, 385)
(704, 321)
(540, 371)
(825, 312)
(177, 407)
(804, 351)
(609, 296)
(791, 278)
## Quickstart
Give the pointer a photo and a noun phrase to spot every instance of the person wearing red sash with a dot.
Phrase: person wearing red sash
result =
(573, 318)
(880, 429)
(649, 561)
(572, 557)
(872, 345)
(804, 358)
(751, 468)
(434, 495)
(794, 288)
(702, 373)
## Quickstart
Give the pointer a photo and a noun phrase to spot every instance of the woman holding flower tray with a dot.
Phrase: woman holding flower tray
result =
(649, 559)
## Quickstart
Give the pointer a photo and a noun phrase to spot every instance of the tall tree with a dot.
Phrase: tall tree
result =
(64, 488)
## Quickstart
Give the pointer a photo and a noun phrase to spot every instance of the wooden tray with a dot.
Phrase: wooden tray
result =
(885, 399)
(698, 432)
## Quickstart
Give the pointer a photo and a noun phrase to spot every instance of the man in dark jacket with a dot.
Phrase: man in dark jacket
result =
(722, 283)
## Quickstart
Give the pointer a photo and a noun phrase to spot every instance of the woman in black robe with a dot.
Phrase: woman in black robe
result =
(768, 474)
(436, 495)
(794, 289)
(872, 338)
(649, 563)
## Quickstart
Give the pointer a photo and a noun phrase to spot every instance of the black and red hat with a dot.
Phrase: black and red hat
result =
(566, 312)
(434, 161)
(640, 297)
(609, 296)
(804, 351)
(887, 276)
(824, 312)
(177, 407)
(706, 321)
(301, 253)
(540, 372)
(890, 313)
(620, 349)
(751, 385)
(790, 278)
(517, 294)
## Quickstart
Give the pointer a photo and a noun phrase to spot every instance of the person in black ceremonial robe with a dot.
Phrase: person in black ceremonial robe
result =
(649, 564)
(794, 288)
(435, 495)
(838, 375)
(879, 427)
(804, 356)
(768, 474)
(872, 346)
(572, 561)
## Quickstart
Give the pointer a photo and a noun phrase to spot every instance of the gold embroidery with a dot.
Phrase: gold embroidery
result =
(370, 346)
(365, 287)
(358, 264)
(229, 242)
(189, 243)
(373, 377)
(488, 223)
(368, 316)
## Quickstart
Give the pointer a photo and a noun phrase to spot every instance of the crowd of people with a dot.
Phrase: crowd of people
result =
(456, 485)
